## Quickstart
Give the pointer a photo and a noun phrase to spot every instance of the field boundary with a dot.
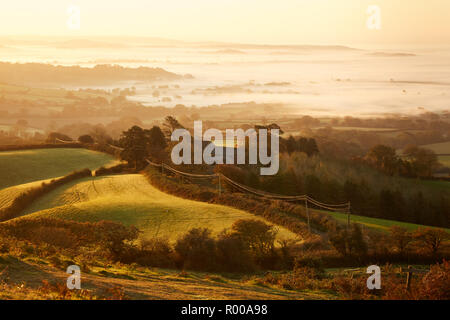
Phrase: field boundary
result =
(26, 198)
(292, 216)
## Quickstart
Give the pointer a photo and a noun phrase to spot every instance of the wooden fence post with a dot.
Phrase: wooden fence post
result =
(409, 272)
(220, 186)
(408, 278)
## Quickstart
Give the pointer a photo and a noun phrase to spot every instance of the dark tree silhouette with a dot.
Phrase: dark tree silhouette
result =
(170, 124)
(135, 142)
(157, 144)
(86, 139)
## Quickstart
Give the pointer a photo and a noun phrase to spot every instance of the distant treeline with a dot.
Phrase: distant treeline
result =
(27, 197)
(28, 73)
(371, 193)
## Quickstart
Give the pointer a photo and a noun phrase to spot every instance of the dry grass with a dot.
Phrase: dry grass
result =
(24, 281)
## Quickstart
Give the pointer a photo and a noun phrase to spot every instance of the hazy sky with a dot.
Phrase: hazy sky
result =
(255, 21)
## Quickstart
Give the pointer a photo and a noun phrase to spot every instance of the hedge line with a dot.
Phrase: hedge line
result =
(119, 168)
(27, 197)
(288, 215)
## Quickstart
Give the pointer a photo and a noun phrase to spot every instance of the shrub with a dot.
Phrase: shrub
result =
(400, 238)
(156, 252)
(86, 139)
(432, 239)
(197, 249)
(102, 171)
(349, 242)
(233, 255)
(256, 234)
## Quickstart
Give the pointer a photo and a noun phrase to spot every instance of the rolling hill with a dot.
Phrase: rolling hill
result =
(130, 199)
(24, 166)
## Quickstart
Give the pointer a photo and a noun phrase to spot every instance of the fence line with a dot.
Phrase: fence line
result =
(342, 207)
(115, 147)
(62, 141)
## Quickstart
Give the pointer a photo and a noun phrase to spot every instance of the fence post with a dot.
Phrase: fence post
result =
(307, 213)
(162, 167)
(408, 278)
(220, 187)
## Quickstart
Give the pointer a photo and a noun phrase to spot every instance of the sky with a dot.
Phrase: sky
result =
(249, 21)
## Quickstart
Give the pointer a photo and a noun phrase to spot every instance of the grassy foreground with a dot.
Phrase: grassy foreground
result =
(19, 167)
(118, 281)
(131, 200)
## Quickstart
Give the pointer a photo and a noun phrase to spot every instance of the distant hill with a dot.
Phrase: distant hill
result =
(391, 54)
(37, 73)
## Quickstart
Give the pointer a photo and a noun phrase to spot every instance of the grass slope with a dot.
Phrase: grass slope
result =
(130, 199)
(19, 167)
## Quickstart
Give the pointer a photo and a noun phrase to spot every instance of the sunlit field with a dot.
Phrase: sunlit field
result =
(131, 200)
(19, 167)
(225, 149)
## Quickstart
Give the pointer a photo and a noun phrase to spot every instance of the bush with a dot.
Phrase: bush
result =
(86, 139)
(432, 239)
(349, 242)
(259, 238)
(156, 252)
(111, 238)
(233, 255)
(197, 250)
(102, 171)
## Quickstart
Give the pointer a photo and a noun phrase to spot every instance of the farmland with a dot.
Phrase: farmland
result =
(130, 199)
(19, 167)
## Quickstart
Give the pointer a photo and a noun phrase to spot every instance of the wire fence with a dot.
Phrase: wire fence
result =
(307, 200)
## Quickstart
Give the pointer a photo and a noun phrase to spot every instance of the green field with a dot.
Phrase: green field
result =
(24, 166)
(130, 199)
(375, 223)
